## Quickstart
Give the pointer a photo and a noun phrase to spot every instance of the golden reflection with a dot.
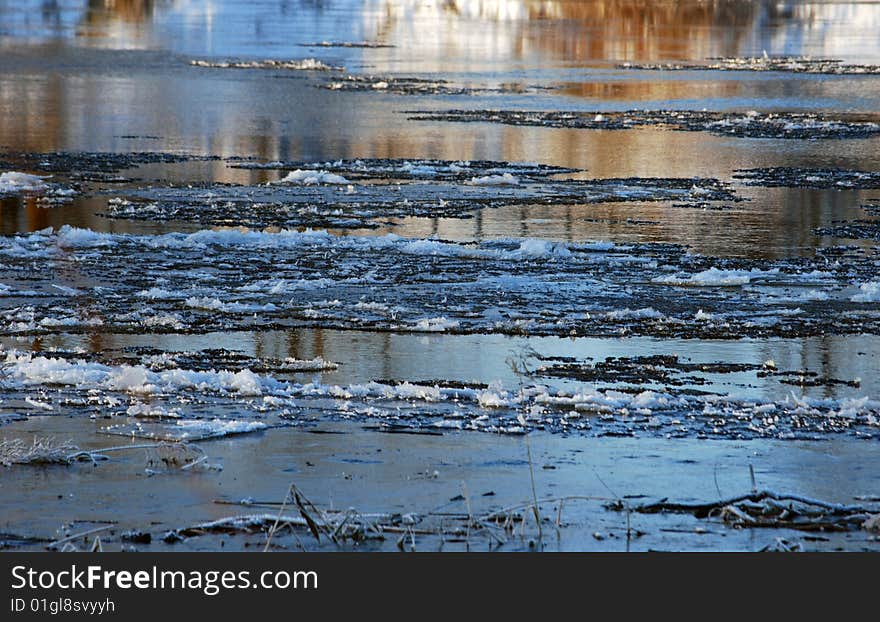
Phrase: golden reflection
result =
(101, 12)
(568, 31)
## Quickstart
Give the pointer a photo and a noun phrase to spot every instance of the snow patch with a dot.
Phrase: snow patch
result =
(494, 180)
(313, 178)
(870, 292)
(14, 182)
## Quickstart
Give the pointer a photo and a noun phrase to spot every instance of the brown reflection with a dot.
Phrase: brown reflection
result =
(33, 111)
(649, 91)
(17, 214)
(643, 29)
(568, 30)
(103, 12)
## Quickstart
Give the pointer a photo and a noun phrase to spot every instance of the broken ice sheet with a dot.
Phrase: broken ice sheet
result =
(305, 64)
(219, 403)
(319, 198)
(788, 64)
(185, 430)
(319, 195)
(793, 177)
(750, 124)
(238, 279)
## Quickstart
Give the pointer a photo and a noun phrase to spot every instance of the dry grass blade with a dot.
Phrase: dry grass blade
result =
(64, 542)
(301, 503)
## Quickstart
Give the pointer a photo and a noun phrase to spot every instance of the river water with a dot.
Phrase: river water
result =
(499, 237)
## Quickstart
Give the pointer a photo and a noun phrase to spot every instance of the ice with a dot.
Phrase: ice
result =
(419, 170)
(435, 325)
(214, 304)
(167, 320)
(490, 409)
(141, 409)
(200, 429)
(313, 178)
(306, 64)
(75, 237)
(13, 182)
(29, 369)
(239, 278)
(870, 292)
(715, 277)
(629, 314)
(157, 293)
(534, 248)
(505, 179)
(53, 322)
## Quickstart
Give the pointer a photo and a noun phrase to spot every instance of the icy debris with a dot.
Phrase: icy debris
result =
(715, 277)
(541, 249)
(789, 125)
(630, 314)
(38, 404)
(158, 293)
(14, 182)
(141, 409)
(164, 320)
(214, 304)
(313, 178)
(217, 427)
(492, 408)
(870, 292)
(789, 64)
(76, 237)
(505, 179)
(239, 278)
(306, 64)
(435, 325)
(30, 369)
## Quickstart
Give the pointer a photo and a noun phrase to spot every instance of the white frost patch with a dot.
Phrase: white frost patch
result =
(306, 64)
(870, 292)
(419, 170)
(540, 249)
(14, 182)
(140, 409)
(634, 314)
(54, 322)
(40, 244)
(315, 364)
(715, 277)
(75, 237)
(435, 325)
(166, 320)
(284, 286)
(30, 370)
(39, 405)
(157, 293)
(495, 180)
(214, 428)
(313, 178)
(214, 304)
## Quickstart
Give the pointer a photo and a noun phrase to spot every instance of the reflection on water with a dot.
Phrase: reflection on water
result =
(113, 75)
(431, 34)
(366, 356)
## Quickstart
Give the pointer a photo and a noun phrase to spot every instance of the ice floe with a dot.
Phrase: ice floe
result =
(13, 182)
(311, 178)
